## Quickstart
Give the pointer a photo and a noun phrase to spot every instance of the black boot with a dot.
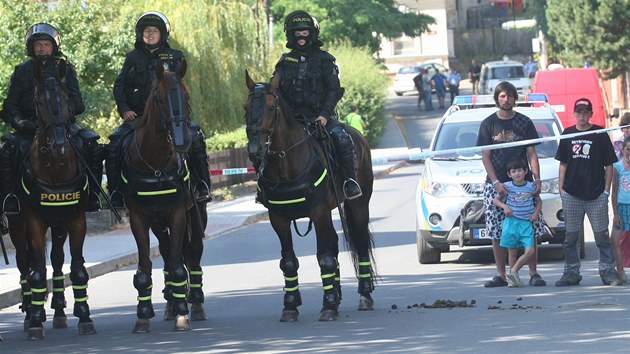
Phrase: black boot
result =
(113, 167)
(345, 152)
(199, 160)
(94, 160)
(10, 202)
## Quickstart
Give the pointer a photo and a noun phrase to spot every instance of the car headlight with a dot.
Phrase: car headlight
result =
(549, 186)
(438, 189)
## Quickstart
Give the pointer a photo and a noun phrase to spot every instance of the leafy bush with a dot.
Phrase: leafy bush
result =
(228, 140)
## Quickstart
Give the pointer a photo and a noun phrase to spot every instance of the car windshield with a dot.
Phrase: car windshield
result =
(508, 72)
(464, 134)
(409, 70)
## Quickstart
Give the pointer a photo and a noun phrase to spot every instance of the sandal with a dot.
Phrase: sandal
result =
(496, 281)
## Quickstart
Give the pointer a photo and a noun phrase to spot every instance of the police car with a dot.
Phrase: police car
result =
(449, 196)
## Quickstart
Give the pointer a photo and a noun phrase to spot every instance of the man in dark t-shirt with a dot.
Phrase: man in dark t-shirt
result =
(504, 126)
(473, 75)
(584, 181)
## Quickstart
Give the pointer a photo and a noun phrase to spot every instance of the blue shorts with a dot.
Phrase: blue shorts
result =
(624, 214)
(440, 92)
(517, 233)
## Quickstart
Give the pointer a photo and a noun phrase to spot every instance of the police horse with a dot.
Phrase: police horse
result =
(158, 196)
(295, 181)
(53, 191)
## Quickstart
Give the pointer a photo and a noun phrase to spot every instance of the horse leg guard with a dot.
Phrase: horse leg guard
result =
(366, 285)
(26, 300)
(58, 302)
(37, 281)
(198, 157)
(168, 286)
(79, 277)
(289, 265)
(144, 284)
(328, 266)
(195, 295)
(179, 279)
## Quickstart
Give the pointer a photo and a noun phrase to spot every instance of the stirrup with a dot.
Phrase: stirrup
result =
(350, 183)
(11, 204)
(203, 197)
(94, 203)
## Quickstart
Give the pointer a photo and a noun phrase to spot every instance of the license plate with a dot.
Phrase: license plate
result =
(480, 234)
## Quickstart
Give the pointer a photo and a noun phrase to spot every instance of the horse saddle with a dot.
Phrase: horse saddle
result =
(155, 190)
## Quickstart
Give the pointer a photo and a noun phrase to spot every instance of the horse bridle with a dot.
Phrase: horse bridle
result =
(52, 94)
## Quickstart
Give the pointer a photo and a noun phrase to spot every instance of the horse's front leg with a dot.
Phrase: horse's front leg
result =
(193, 251)
(289, 265)
(142, 280)
(177, 270)
(17, 232)
(58, 302)
(327, 255)
(37, 280)
(79, 275)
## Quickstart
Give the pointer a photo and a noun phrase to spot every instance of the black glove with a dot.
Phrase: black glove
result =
(24, 126)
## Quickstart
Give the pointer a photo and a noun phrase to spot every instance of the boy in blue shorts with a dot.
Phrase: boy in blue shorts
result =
(521, 212)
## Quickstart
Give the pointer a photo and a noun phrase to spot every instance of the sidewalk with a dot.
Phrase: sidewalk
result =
(109, 251)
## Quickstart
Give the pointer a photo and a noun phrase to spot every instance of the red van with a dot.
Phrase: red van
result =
(564, 86)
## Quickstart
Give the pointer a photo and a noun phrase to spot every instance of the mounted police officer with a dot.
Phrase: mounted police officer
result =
(131, 90)
(310, 84)
(42, 44)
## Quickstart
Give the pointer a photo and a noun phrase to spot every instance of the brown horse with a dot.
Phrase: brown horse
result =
(53, 194)
(157, 192)
(295, 181)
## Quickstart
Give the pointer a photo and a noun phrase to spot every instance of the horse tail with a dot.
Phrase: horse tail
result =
(359, 239)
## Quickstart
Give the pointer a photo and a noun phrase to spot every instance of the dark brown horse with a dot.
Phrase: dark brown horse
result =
(295, 181)
(157, 192)
(53, 194)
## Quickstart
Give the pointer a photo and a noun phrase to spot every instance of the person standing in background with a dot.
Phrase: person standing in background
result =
(417, 81)
(355, 120)
(426, 87)
(453, 83)
(473, 75)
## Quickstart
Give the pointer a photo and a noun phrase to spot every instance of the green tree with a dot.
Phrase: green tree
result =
(593, 30)
(360, 22)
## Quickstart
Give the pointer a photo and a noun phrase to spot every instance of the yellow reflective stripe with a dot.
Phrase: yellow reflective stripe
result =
(59, 277)
(365, 275)
(289, 201)
(23, 281)
(85, 186)
(27, 293)
(159, 192)
(326, 276)
(144, 298)
(337, 278)
(328, 287)
(79, 287)
(24, 187)
(195, 285)
(123, 178)
(291, 278)
(179, 296)
(165, 272)
(58, 290)
(81, 299)
(38, 290)
(321, 178)
(59, 203)
(181, 283)
(168, 283)
(38, 303)
(291, 289)
(196, 272)
(368, 263)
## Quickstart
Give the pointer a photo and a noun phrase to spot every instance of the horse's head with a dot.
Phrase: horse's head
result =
(171, 99)
(261, 113)
(51, 104)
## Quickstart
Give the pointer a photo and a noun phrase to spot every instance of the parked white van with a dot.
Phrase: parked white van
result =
(493, 72)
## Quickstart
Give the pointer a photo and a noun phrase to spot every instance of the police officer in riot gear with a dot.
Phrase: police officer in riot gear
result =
(42, 43)
(310, 84)
(131, 90)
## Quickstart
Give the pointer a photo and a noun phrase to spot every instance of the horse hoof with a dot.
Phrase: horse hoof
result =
(365, 303)
(36, 333)
(289, 316)
(328, 315)
(143, 325)
(182, 323)
(60, 322)
(197, 313)
(169, 313)
(87, 328)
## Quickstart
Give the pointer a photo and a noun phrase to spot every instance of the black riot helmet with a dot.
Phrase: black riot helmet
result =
(42, 31)
(301, 20)
(152, 18)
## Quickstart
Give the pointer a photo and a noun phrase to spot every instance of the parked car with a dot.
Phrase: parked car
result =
(449, 195)
(493, 72)
(403, 82)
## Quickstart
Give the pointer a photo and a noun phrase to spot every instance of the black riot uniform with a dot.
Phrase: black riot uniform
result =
(19, 112)
(131, 90)
(310, 84)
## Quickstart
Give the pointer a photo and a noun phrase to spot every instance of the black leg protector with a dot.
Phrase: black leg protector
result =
(144, 284)
(328, 267)
(168, 285)
(289, 265)
(37, 280)
(26, 295)
(338, 281)
(8, 177)
(366, 283)
(195, 295)
(345, 152)
(198, 157)
(179, 278)
(79, 277)
(113, 164)
(58, 301)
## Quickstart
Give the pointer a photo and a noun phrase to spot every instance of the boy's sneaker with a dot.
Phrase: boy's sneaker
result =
(569, 278)
(611, 277)
(515, 280)
(537, 280)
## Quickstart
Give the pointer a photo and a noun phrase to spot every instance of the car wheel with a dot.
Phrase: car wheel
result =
(399, 93)
(427, 254)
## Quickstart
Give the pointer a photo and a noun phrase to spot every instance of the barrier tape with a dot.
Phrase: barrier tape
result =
(449, 153)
